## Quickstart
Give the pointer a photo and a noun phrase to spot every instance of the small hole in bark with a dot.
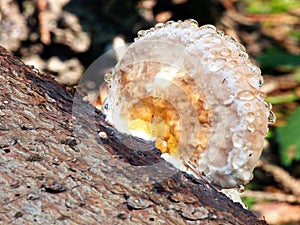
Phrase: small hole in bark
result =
(151, 219)
(18, 214)
(6, 150)
(122, 216)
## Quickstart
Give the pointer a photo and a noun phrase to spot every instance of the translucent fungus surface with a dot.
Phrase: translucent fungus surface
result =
(194, 91)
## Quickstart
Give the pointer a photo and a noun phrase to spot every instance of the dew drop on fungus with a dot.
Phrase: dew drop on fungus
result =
(108, 77)
(221, 33)
(237, 141)
(261, 96)
(216, 65)
(246, 175)
(233, 39)
(268, 105)
(232, 63)
(225, 52)
(243, 55)
(193, 22)
(106, 106)
(245, 95)
(251, 127)
(254, 81)
(141, 33)
(271, 118)
(169, 23)
(247, 106)
(229, 100)
(240, 47)
(254, 69)
(260, 117)
(250, 116)
(152, 29)
(208, 27)
(159, 25)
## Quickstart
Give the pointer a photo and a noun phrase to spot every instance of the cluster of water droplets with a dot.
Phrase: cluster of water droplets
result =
(109, 76)
(215, 58)
(224, 56)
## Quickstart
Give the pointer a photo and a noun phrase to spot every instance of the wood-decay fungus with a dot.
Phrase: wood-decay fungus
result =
(195, 92)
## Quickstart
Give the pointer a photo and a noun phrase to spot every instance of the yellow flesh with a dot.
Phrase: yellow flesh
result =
(157, 118)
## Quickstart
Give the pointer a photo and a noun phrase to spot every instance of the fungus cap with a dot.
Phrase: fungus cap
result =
(195, 92)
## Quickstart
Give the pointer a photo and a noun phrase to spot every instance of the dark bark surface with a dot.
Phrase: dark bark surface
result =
(60, 163)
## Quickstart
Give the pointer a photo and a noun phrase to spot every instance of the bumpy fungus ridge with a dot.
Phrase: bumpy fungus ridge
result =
(193, 90)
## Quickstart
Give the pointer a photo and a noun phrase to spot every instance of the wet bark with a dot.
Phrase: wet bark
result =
(60, 163)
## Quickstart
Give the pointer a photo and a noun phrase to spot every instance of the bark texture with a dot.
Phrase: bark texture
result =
(60, 163)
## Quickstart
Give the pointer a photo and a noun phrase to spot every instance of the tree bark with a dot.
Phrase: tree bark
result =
(61, 163)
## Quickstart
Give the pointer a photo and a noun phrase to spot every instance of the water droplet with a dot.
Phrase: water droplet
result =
(254, 69)
(241, 188)
(237, 162)
(268, 105)
(260, 82)
(108, 77)
(261, 96)
(240, 47)
(254, 81)
(250, 116)
(221, 33)
(141, 33)
(229, 100)
(186, 37)
(193, 22)
(152, 29)
(245, 175)
(237, 141)
(169, 23)
(225, 52)
(208, 27)
(159, 25)
(271, 117)
(216, 65)
(245, 95)
(251, 127)
(247, 106)
(260, 117)
(232, 39)
(243, 55)
(34, 70)
(232, 63)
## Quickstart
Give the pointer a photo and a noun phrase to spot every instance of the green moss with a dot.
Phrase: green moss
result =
(249, 201)
(288, 139)
(270, 6)
(275, 57)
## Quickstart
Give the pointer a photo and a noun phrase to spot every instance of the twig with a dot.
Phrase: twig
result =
(279, 197)
(281, 176)
(43, 21)
(283, 82)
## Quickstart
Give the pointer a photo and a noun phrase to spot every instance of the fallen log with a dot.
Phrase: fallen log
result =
(61, 163)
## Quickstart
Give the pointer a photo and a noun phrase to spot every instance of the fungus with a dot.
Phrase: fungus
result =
(195, 92)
